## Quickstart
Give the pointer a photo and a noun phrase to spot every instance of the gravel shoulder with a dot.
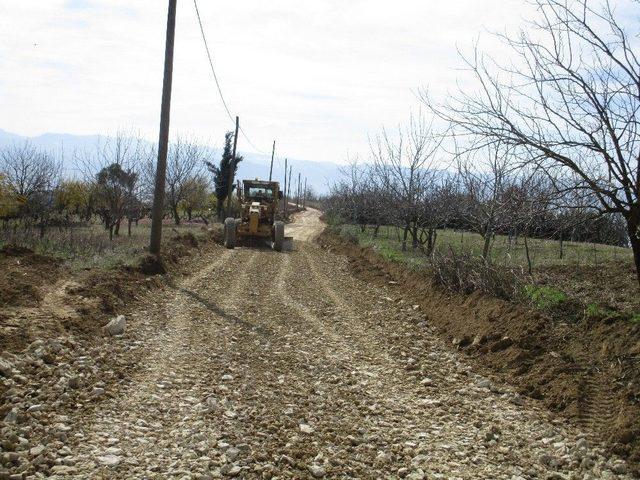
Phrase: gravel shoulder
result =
(277, 365)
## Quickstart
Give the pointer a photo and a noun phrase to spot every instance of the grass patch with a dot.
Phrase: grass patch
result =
(595, 311)
(505, 251)
(545, 297)
(390, 253)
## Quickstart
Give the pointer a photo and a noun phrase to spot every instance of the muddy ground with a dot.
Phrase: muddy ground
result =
(256, 364)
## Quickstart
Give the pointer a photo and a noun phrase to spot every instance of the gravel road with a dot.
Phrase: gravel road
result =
(283, 365)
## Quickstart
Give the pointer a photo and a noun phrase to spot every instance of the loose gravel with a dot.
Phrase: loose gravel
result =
(275, 365)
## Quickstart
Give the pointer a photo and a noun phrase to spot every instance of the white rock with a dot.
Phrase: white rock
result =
(37, 450)
(317, 471)
(63, 470)
(110, 460)
(116, 326)
(6, 370)
(483, 383)
(304, 428)
(230, 470)
(11, 416)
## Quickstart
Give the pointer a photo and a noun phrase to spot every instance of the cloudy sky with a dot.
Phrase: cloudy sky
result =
(317, 76)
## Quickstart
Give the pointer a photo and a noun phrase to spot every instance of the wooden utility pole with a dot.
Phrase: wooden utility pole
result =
(289, 186)
(284, 206)
(232, 167)
(163, 141)
(298, 195)
(304, 195)
(273, 152)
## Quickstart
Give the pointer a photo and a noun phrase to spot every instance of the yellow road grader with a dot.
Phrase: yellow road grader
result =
(259, 203)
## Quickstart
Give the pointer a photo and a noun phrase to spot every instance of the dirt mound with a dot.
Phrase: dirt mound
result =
(117, 289)
(40, 298)
(587, 370)
(23, 273)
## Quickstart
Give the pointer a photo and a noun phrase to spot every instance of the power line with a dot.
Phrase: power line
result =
(215, 77)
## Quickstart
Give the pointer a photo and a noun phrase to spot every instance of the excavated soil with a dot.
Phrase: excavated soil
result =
(40, 298)
(586, 370)
(270, 365)
(23, 272)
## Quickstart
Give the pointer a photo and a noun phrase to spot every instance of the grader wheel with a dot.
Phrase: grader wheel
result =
(278, 236)
(230, 230)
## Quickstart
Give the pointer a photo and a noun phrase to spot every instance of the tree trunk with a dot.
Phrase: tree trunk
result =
(117, 231)
(431, 241)
(110, 233)
(633, 224)
(375, 231)
(526, 250)
(176, 215)
(414, 236)
(129, 222)
(405, 234)
(487, 246)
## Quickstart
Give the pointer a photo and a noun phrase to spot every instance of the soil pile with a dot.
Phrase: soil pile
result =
(23, 272)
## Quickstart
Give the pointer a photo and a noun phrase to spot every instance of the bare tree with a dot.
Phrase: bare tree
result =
(32, 176)
(569, 104)
(29, 171)
(485, 175)
(404, 165)
(185, 163)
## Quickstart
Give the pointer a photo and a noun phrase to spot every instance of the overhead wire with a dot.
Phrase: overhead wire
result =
(215, 77)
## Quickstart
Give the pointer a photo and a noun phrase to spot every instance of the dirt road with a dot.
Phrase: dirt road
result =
(283, 365)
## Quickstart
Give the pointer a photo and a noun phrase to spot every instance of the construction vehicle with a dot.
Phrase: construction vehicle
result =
(259, 203)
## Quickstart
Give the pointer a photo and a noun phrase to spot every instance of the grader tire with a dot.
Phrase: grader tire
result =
(230, 230)
(278, 236)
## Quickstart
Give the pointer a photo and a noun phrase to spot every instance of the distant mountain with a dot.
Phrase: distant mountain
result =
(319, 174)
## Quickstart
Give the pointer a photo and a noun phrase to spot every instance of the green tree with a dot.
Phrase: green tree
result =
(221, 172)
(196, 191)
(114, 194)
(9, 205)
(72, 197)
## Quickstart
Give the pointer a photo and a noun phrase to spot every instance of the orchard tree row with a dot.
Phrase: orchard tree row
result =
(112, 183)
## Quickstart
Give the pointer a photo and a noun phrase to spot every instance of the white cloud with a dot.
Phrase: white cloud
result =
(317, 76)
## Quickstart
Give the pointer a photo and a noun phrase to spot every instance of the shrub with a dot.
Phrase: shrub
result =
(462, 272)
(352, 238)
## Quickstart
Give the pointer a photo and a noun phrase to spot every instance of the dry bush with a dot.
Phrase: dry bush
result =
(465, 273)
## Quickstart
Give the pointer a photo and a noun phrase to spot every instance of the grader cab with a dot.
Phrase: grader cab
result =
(259, 203)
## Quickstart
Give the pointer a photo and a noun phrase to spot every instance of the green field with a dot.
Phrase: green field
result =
(542, 252)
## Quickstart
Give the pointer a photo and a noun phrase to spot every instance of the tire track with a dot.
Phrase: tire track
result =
(153, 397)
(597, 409)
